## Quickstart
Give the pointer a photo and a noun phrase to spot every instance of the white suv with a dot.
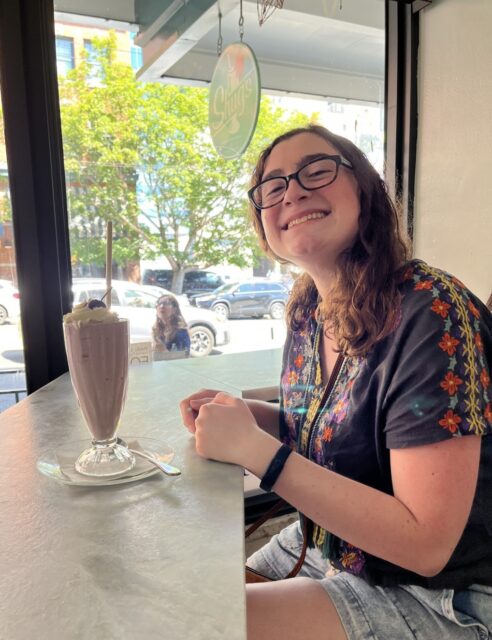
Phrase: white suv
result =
(137, 303)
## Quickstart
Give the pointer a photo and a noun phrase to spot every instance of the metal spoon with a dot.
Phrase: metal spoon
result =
(168, 469)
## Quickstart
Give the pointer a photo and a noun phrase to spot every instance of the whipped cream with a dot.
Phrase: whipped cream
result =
(81, 314)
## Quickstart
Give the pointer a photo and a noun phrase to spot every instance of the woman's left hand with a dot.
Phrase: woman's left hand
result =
(226, 430)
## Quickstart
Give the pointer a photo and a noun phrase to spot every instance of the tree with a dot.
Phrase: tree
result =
(99, 108)
(5, 205)
(197, 206)
(142, 156)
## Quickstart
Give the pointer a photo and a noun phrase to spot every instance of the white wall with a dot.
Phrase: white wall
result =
(453, 201)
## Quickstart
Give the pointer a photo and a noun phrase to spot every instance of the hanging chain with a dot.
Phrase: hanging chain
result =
(241, 20)
(265, 8)
(219, 39)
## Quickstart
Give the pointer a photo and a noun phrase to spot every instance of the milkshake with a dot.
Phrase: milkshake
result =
(96, 342)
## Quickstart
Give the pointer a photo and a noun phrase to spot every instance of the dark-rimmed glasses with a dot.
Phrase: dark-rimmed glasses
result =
(165, 303)
(313, 175)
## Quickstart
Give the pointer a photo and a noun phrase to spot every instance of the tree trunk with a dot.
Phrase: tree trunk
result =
(178, 280)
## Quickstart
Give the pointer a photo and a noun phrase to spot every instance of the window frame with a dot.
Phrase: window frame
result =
(28, 77)
(400, 101)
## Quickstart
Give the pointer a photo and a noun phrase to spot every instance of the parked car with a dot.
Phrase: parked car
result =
(9, 302)
(194, 282)
(137, 303)
(252, 299)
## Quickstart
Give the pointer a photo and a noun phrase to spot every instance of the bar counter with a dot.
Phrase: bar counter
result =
(158, 558)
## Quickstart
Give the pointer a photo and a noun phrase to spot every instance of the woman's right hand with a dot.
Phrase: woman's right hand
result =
(190, 406)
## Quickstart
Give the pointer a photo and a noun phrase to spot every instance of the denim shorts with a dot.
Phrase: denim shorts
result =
(405, 612)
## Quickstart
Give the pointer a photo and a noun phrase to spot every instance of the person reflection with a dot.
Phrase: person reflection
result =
(170, 337)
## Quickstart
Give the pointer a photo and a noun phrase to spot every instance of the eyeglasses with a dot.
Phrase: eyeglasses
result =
(165, 303)
(313, 175)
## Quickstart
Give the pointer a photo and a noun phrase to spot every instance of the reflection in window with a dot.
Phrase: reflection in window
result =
(139, 153)
(138, 299)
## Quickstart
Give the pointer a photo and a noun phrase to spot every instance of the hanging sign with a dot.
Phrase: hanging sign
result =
(234, 100)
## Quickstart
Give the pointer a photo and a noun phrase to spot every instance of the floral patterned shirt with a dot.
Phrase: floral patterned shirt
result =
(428, 381)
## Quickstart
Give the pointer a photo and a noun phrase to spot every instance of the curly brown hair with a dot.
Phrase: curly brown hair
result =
(364, 299)
(166, 331)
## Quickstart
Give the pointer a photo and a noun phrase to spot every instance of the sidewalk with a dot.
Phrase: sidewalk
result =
(11, 366)
(11, 347)
(254, 335)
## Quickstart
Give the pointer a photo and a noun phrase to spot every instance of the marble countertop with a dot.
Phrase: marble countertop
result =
(159, 558)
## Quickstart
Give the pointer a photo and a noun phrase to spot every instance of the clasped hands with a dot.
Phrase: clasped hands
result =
(224, 427)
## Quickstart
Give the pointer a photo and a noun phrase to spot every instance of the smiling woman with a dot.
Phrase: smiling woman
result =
(335, 214)
(312, 197)
(385, 395)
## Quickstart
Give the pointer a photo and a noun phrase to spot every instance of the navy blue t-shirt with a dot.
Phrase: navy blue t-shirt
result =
(428, 381)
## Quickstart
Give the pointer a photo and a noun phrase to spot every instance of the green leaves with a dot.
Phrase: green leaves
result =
(141, 155)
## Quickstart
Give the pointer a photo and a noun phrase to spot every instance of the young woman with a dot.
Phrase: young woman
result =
(170, 337)
(386, 406)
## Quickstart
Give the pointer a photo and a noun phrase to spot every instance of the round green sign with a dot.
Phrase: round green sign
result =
(234, 100)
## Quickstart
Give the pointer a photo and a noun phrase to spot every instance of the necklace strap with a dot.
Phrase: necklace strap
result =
(313, 382)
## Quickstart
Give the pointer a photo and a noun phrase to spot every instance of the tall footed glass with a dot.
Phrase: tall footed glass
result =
(97, 353)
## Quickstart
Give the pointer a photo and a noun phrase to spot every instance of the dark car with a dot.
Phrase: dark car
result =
(246, 300)
(194, 283)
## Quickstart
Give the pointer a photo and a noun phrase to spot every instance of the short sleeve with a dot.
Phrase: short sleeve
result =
(440, 366)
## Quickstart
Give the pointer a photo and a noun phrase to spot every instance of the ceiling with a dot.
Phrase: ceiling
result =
(321, 48)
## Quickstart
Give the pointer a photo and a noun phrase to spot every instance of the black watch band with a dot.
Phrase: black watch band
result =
(275, 468)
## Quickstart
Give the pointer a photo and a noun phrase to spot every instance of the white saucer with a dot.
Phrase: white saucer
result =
(59, 464)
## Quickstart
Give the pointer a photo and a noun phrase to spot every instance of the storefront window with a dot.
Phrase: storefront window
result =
(138, 151)
(12, 377)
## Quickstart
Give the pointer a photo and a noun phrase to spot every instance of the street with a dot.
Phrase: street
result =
(254, 335)
(246, 335)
